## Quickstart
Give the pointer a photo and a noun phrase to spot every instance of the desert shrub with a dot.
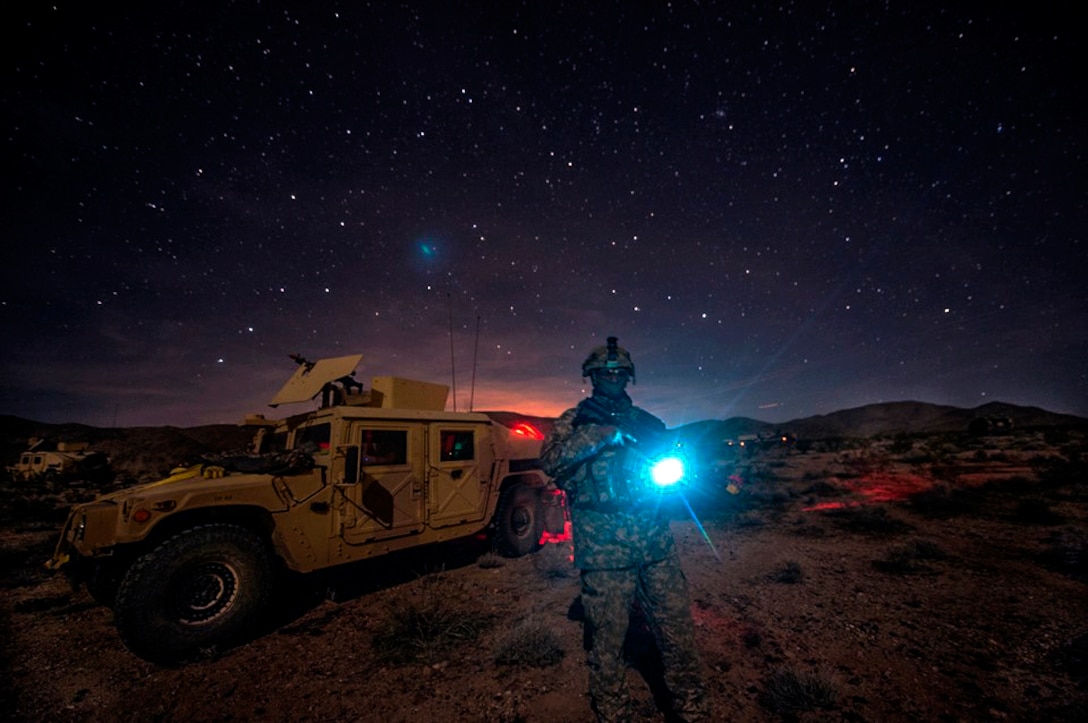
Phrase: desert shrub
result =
(768, 499)
(836, 444)
(1067, 552)
(789, 574)
(490, 561)
(530, 643)
(919, 459)
(751, 638)
(748, 519)
(943, 502)
(822, 488)
(944, 470)
(802, 527)
(928, 550)
(553, 561)
(1035, 511)
(1010, 486)
(1061, 471)
(27, 508)
(867, 519)
(426, 628)
(910, 559)
(1056, 436)
(787, 692)
(901, 445)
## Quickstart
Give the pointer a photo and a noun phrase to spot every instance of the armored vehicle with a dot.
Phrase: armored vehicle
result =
(61, 461)
(187, 562)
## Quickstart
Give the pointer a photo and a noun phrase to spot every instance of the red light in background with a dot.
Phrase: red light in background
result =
(524, 429)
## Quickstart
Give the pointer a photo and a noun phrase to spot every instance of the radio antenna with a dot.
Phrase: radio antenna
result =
(475, 356)
(453, 368)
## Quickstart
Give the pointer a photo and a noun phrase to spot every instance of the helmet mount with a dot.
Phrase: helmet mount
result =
(611, 356)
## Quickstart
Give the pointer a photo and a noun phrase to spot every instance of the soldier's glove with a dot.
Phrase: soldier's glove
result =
(612, 436)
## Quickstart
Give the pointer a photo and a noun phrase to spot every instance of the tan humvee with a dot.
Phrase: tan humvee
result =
(187, 562)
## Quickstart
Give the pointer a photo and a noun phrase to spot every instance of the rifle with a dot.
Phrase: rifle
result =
(648, 443)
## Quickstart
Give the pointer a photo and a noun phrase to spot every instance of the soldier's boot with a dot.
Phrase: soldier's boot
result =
(612, 709)
(690, 707)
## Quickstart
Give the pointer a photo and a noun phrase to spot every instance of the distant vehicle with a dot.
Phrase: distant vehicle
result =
(57, 460)
(187, 562)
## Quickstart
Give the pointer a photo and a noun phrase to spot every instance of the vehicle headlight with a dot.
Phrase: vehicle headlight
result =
(78, 528)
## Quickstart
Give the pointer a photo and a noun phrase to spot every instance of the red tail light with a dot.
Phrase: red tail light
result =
(524, 429)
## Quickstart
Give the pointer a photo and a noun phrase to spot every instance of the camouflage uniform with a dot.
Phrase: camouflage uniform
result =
(625, 550)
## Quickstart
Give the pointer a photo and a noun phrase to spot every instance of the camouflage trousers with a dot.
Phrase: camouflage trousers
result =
(661, 591)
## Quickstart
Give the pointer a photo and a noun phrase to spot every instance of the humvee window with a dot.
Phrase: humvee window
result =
(383, 446)
(316, 437)
(276, 442)
(457, 445)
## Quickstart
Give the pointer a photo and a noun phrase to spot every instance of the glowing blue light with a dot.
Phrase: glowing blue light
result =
(667, 471)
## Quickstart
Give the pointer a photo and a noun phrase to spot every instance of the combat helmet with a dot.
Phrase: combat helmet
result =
(609, 357)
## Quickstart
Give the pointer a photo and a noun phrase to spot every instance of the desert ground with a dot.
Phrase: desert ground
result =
(921, 578)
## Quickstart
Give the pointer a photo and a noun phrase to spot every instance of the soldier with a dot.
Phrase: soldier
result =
(622, 541)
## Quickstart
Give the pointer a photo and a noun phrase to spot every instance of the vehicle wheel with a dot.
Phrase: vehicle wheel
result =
(519, 521)
(202, 588)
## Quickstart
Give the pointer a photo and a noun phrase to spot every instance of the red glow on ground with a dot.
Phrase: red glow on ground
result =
(720, 625)
(558, 537)
(876, 487)
(554, 537)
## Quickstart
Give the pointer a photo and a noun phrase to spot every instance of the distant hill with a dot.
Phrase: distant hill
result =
(151, 451)
(889, 418)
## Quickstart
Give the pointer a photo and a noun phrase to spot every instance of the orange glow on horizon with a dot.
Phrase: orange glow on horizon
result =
(530, 404)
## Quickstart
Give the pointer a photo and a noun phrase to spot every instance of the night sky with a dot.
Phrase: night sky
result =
(781, 209)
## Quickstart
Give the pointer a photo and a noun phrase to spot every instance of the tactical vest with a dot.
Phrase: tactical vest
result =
(615, 479)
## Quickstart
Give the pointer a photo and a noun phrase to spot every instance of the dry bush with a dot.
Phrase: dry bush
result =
(787, 692)
(868, 519)
(943, 502)
(490, 561)
(1035, 511)
(554, 561)
(426, 628)
(911, 559)
(530, 643)
(1067, 552)
(789, 573)
(1069, 470)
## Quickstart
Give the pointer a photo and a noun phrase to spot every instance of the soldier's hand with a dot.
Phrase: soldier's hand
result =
(614, 436)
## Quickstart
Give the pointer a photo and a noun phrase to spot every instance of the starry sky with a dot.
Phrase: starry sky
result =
(781, 209)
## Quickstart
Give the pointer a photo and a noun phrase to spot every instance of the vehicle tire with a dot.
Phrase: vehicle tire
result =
(201, 589)
(519, 521)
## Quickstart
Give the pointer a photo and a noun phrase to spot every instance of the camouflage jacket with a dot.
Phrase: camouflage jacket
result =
(585, 456)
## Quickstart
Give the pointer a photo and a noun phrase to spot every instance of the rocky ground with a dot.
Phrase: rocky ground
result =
(926, 578)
